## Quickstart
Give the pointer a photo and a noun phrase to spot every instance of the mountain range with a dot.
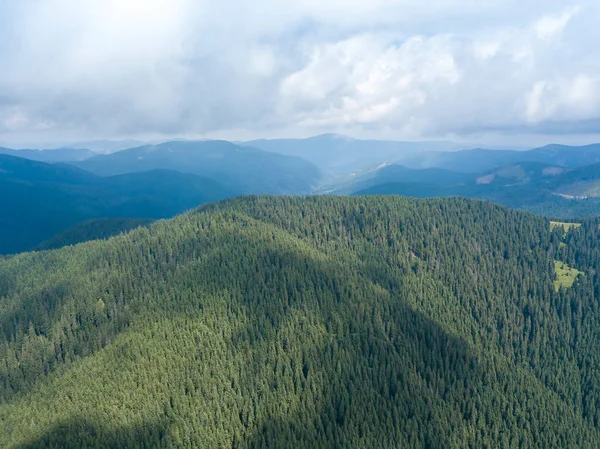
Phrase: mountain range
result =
(43, 201)
(337, 154)
(55, 155)
(479, 160)
(243, 169)
(311, 320)
(40, 200)
(546, 189)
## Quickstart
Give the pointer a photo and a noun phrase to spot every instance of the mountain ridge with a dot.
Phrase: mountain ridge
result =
(40, 200)
(324, 320)
(245, 169)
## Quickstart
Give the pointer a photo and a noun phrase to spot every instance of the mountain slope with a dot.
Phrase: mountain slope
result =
(240, 168)
(481, 160)
(40, 200)
(581, 182)
(96, 229)
(318, 322)
(57, 155)
(398, 174)
(537, 187)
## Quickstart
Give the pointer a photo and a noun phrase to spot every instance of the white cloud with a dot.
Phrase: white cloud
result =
(109, 68)
(549, 26)
(368, 79)
(577, 98)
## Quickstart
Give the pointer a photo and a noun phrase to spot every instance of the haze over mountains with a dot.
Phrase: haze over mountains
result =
(243, 169)
(340, 155)
(545, 189)
(46, 198)
(40, 200)
(54, 155)
(478, 160)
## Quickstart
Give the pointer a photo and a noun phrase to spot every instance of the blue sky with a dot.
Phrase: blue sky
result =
(515, 72)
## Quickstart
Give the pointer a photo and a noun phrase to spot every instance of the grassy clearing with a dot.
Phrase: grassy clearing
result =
(565, 226)
(565, 275)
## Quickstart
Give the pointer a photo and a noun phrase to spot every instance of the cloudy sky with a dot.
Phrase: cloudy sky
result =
(473, 70)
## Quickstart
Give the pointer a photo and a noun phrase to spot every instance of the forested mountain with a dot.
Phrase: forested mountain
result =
(317, 322)
(57, 155)
(480, 160)
(95, 229)
(338, 154)
(40, 200)
(240, 168)
(437, 177)
(583, 182)
(544, 189)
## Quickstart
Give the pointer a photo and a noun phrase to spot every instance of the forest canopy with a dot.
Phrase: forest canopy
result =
(307, 322)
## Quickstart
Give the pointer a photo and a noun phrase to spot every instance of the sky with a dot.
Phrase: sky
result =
(496, 71)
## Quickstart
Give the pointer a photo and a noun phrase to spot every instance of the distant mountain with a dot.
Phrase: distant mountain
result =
(581, 182)
(57, 155)
(337, 154)
(40, 200)
(521, 174)
(244, 169)
(480, 160)
(544, 189)
(106, 146)
(397, 173)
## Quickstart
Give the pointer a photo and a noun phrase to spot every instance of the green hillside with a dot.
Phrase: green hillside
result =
(99, 228)
(317, 322)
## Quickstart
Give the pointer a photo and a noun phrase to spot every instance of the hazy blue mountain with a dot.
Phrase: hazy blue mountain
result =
(541, 188)
(580, 182)
(40, 200)
(517, 197)
(400, 174)
(480, 160)
(523, 173)
(54, 155)
(244, 169)
(105, 146)
(569, 156)
(337, 154)
(27, 170)
(576, 182)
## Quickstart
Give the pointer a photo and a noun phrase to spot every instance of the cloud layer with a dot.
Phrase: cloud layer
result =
(403, 68)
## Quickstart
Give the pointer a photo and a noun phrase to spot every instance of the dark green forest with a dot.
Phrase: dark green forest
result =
(307, 322)
(99, 228)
